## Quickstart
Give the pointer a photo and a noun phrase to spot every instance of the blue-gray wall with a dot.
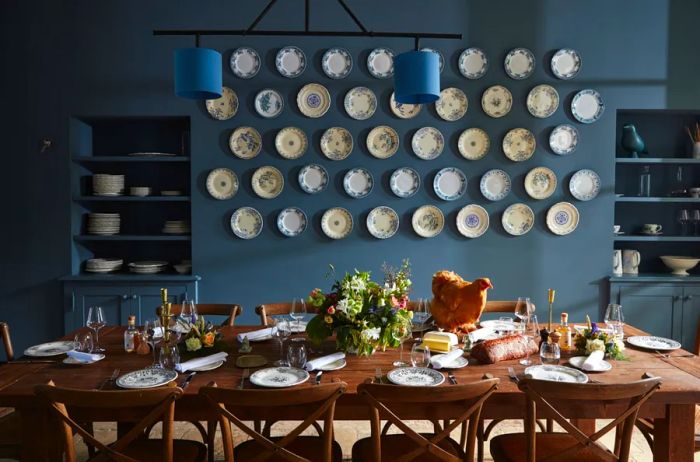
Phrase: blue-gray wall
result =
(62, 58)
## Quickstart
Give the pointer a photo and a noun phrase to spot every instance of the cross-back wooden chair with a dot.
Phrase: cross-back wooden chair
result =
(9, 420)
(146, 407)
(310, 403)
(266, 310)
(396, 404)
(573, 444)
(231, 310)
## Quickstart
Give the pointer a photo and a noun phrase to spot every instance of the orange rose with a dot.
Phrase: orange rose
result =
(208, 339)
(331, 310)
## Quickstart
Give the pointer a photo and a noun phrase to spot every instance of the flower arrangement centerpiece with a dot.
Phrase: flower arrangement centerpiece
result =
(364, 315)
(592, 339)
(202, 339)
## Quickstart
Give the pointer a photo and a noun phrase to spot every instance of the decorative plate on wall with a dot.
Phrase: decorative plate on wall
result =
(360, 103)
(518, 219)
(358, 183)
(473, 63)
(519, 63)
(441, 58)
(336, 223)
(291, 142)
(313, 100)
(224, 107)
(383, 142)
(291, 221)
(404, 111)
(450, 183)
(290, 62)
(540, 183)
(245, 142)
(473, 143)
(472, 221)
(566, 63)
(428, 143)
(382, 222)
(428, 221)
(495, 185)
(519, 144)
(543, 101)
(245, 62)
(497, 101)
(562, 218)
(587, 106)
(268, 182)
(584, 185)
(246, 223)
(336, 143)
(563, 139)
(452, 104)
(336, 63)
(313, 178)
(222, 183)
(404, 182)
(269, 103)
(380, 63)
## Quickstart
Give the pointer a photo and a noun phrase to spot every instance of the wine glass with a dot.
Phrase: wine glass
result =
(282, 331)
(296, 353)
(615, 319)
(532, 330)
(695, 219)
(83, 342)
(683, 219)
(96, 321)
(401, 333)
(150, 327)
(297, 312)
(419, 315)
(420, 357)
(169, 356)
(524, 309)
(188, 314)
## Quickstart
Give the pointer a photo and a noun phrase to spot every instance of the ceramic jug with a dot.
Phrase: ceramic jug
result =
(617, 262)
(631, 140)
(630, 261)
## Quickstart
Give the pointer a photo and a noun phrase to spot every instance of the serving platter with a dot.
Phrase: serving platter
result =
(563, 139)
(223, 107)
(313, 178)
(566, 63)
(441, 58)
(450, 183)
(222, 183)
(279, 377)
(543, 101)
(382, 222)
(360, 103)
(519, 63)
(587, 106)
(472, 221)
(428, 221)
(473, 144)
(336, 63)
(562, 218)
(415, 377)
(146, 378)
(380, 63)
(427, 143)
(245, 62)
(404, 182)
(290, 62)
(495, 184)
(540, 182)
(291, 221)
(473, 63)
(267, 182)
(650, 342)
(336, 143)
(554, 373)
(336, 223)
(313, 100)
(519, 144)
(269, 103)
(49, 349)
(382, 142)
(403, 110)
(452, 105)
(584, 185)
(246, 223)
(497, 101)
(518, 219)
(245, 142)
(358, 183)
(291, 142)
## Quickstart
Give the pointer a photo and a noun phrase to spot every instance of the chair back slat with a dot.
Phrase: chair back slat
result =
(266, 310)
(7, 341)
(230, 310)
(501, 306)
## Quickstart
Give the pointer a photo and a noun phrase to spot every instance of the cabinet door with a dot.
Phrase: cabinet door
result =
(146, 299)
(654, 309)
(691, 313)
(114, 301)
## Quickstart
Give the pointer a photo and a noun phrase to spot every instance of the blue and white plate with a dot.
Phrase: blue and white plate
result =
(566, 63)
(313, 178)
(519, 63)
(313, 100)
(495, 185)
(519, 144)
(380, 63)
(383, 222)
(450, 183)
(224, 107)
(473, 143)
(404, 182)
(428, 221)
(382, 142)
(428, 143)
(540, 183)
(246, 223)
(337, 223)
(290, 62)
(518, 219)
(441, 58)
(279, 377)
(473, 63)
(269, 103)
(584, 185)
(472, 221)
(452, 105)
(245, 62)
(404, 110)
(336, 143)
(554, 373)
(587, 106)
(358, 183)
(291, 142)
(291, 221)
(336, 63)
(497, 101)
(653, 343)
(360, 103)
(146, 378)
(245, 142)
(543, 101)
(563, 139)
(415, 377)
(562, 218)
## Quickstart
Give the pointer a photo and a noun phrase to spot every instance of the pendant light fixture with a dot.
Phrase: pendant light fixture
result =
(198, 72)
(417, 77)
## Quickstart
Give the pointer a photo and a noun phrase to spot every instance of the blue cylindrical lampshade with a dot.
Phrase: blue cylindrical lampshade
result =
(198, 73)
(417, 77)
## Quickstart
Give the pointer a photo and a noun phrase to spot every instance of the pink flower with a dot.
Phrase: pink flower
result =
(330, 310)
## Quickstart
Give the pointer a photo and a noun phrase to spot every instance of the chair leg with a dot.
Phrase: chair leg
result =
(480, 441)
(211, 439)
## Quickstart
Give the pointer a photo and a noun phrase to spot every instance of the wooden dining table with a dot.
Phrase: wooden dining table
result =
(672, 408)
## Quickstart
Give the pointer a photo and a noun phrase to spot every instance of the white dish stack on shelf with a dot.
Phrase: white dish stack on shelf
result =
(103, 265)
(103, 224)
(107, 185)
(176, 227)
(148, 267)
(140, 191)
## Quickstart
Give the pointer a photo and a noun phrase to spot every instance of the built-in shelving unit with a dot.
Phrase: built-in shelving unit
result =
(128, 159)
(132, 199)
(690, 200)
(657, 238)
(657, 160)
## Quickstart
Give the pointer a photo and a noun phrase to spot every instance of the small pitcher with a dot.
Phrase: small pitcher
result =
(617, 262)
(630, 261)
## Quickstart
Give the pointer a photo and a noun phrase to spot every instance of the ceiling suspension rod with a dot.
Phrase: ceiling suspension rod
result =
(261, 15)
(306, 15)
(302, 33)
(352, 15)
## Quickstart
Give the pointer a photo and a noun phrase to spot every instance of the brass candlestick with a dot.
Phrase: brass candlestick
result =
(550, 298)
(165, 314)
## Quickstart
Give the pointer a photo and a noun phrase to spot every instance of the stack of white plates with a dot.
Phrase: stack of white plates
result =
(105, 224)
(103, 265)
(107, 185)
(148, 267)
(141, 191)
(176, 227)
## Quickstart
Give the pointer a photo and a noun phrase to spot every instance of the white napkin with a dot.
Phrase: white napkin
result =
(593, 362)
(440, 361)
(199, 362)
(481, 334)
(257, 334)
(323, 360)
(84, 357)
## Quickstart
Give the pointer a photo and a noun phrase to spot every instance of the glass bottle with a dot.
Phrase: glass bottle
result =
(645, 182)
(130, 334)
(565, 331)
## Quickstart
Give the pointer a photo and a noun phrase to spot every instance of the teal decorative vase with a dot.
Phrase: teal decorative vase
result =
(631, 141)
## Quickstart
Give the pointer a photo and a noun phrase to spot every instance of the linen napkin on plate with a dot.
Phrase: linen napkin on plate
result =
(481, 334)
(323, 360)
(84, 357)
(593, 362)
(440, 361)
(257, 334)
(199, 362)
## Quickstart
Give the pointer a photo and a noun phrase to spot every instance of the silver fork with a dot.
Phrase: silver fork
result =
(378, 375)
(246, 374)
(512, 375)
(669, 355)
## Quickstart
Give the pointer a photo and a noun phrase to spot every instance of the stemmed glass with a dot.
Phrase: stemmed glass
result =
(615, 319)
(281, 333)
(297, 312)
(524, 309)
(684, 219)
(96, 321)
(695, 220)
(401, 333)
(420, 357)
(532, 330)
(188, 314)
(150, 327)
(420, 315)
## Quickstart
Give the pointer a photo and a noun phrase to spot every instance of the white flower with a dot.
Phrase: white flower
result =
(342, 305)
(357, 284)
(619, 344)
(372, 334)
(594, 345)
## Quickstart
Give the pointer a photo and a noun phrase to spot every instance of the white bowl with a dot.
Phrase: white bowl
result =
(183, 268)
(680, 265)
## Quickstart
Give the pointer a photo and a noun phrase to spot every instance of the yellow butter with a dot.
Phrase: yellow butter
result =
(449, 336)
(440, 345)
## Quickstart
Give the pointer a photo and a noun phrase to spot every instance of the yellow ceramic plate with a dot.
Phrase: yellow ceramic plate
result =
(543, 101)
(428, 221)
(452, 104)
(313, 100)
(222, 183)
(404, 111)
(519, 144)
(291, 142)
(336, 143)
(245, 142)
(383, 142)
(473, 143)
(224, 107)
(336, 223)
(562, 218)
(268, 182)
(540, 182)
(497, 101)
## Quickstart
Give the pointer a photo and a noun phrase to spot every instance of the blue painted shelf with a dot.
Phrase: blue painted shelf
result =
(133, 237)
(655, 277)
(126, 277)
(132, 199)
(657, 199)
(658, 238)
(657, 160)
(108, 159)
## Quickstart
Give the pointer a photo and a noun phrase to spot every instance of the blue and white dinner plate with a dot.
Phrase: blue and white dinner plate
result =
(518, 219)
(358, 183)
(404, 182)
(587, 106)
(336, 63)
(403, 110)
(495, 185)
(246, 223)
(290, 62)
(380, 63)
(653, 343)
(415, 377)
(313, 100)
(279, 377)
(543, 101)
(224, 107)
(269, 103)
(382, 142)
(291, 221)
(245, 62)
(584, 185)
(146, 378)
(450, 183)
(473, 63)
(336, 143)
(472, 221)
(382, 222)
(428, 143)
(562, 218)
(556, 373)
(519, 63)
(566, 63)
(313, 178)
(360, 103)
(49, 349)
(428, 221)
(563, 139)
(441, 58)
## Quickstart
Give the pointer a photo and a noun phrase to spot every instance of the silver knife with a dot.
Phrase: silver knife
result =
(451, 376)
(187, 381)
(318, 377)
